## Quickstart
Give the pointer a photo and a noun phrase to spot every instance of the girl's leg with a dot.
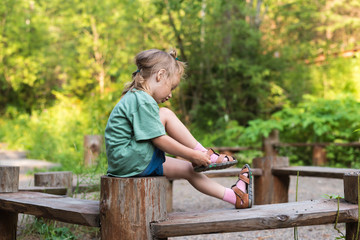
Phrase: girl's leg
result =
(180, 169)
(175, 168)
(176, 129)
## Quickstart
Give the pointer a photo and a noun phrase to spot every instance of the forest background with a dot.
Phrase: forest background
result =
(253, 66)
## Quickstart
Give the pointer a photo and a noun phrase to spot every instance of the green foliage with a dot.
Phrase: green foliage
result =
(314, 120)
(49, 230)
(39, 228)
(337, 197)
(63, 66)
(56, 134)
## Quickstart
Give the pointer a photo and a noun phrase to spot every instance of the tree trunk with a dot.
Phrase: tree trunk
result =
(128, 205)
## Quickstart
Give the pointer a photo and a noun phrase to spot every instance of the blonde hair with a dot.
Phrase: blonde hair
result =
(150, 62)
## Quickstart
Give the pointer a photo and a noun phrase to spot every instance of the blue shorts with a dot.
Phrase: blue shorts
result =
(155, 167)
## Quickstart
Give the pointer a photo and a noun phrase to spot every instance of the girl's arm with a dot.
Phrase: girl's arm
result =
(173, 147)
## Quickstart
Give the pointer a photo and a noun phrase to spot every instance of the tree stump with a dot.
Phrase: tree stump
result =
(128, 205)
(92, 148)
(9, 179)
(9, 182)
(54, 179)
(269, 188)
(351, 191)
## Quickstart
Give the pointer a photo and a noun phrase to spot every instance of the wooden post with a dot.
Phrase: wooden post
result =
(92, 148)
(9, 182)
(54, 179)
(268, 148)
(319, 155)
(351, 191)
(128, 205)
(269, 188)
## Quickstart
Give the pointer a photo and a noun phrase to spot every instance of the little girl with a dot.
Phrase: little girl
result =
(138, 134)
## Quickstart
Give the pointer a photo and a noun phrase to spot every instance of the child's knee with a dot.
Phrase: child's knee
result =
(189, 171)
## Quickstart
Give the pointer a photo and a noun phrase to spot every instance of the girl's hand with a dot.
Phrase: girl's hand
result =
(200, 158)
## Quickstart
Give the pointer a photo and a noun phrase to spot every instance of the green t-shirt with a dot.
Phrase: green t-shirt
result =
(132, 124)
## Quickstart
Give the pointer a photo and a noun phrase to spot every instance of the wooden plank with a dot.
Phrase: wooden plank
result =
(235, 149)
(65, 209)
(350, 144)
(312, 171)
(49, 190)
(230, 172)
(81, 188)
(260, 217)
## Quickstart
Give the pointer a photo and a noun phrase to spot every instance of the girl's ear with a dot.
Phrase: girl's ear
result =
(160, 74)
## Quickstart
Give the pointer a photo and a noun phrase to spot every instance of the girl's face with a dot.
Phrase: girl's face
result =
(165, 86)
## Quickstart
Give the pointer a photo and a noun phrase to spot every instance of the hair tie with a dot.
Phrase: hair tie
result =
(177, 58)
(138, 70)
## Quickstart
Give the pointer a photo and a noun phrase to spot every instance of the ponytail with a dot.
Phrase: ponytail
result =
(137, 82)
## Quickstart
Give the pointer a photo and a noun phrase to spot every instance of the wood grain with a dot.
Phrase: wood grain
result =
(49, 190)
(128, 205)
(312, 171)
(230, 172)
(54, 179)
(284, 215)
(65, 209)
(9, 178)
(8, 225)
(270, 188)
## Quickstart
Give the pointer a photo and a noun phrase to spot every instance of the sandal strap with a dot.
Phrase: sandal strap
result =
(244, 170)
(211, 152)
(241, 197)
(230, 158)
(220, 159)
(244, 179)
